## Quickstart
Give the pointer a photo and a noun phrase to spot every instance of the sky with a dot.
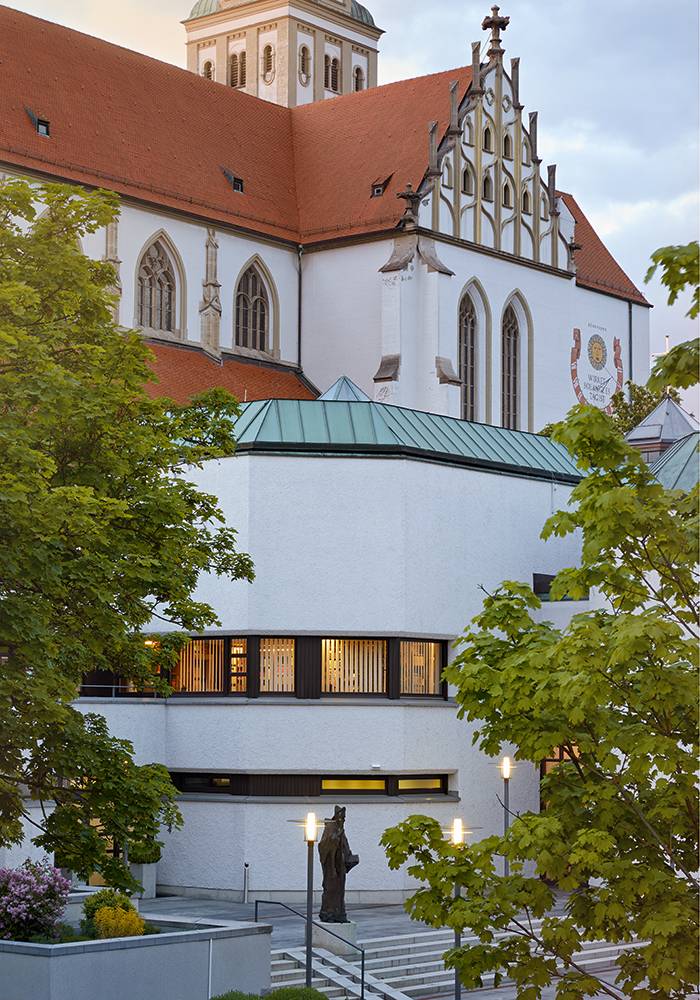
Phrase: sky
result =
(615, 84)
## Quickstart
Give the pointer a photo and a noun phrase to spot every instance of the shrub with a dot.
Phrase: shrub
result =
(106, 897)
(32, 898)
(236, 995)
(145, 854)
(114, 921)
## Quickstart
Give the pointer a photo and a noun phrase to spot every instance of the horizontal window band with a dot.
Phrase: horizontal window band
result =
(309, 785)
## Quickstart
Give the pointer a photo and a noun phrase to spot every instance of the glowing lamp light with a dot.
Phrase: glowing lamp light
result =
(310, 828)
(457, 832)
(506, 768)
(150, 643)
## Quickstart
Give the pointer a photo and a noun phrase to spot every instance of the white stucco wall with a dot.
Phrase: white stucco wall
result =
(354, 546)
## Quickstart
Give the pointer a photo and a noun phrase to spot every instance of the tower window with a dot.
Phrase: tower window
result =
(242, 67)
(359, 79)
(268, 64)
(208, 70)
(234, 73)
(304, 65)
(488, 140)
(332, 74)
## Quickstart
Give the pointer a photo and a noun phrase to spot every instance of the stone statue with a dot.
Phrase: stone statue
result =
(336, 860)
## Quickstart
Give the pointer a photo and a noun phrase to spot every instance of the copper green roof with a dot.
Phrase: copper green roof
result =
(204, 7)
(679, 467)
(341, 427)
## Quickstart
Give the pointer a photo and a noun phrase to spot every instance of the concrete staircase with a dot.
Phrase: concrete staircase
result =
(402, 967)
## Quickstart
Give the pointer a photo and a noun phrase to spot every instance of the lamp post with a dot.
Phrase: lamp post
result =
(310, 832)
(457, 839)
(506, 771)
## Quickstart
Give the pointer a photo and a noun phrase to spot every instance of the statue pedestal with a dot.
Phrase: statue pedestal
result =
(322, 939)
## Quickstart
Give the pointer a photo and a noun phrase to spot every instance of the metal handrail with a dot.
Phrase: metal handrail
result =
(315, 923)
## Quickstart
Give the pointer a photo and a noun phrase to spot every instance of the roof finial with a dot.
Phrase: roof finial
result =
(496, 24)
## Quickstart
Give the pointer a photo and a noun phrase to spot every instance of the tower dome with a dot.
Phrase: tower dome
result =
(202, 8)
(360, 13)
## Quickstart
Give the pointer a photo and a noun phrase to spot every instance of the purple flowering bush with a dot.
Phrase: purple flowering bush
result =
(32, 899)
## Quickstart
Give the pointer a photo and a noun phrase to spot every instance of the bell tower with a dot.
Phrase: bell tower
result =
(290, 55)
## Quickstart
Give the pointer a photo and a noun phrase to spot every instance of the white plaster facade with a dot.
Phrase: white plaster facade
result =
(354, 546)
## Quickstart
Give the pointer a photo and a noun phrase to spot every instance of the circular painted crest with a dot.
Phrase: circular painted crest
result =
(597, 352)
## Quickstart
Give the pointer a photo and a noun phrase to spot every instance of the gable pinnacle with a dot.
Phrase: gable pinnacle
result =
(413, 200)
(496, 24)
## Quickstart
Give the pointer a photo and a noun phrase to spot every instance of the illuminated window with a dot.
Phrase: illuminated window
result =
(421, 785)
(353, 785)
(238, 666)
(277, 666)
(200, 669)
(353, 666)
(420, 668)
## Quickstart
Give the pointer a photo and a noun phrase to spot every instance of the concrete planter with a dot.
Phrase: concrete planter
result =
(180, 963)
(146, 875)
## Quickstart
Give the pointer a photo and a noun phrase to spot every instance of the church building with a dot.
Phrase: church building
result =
(401, 296)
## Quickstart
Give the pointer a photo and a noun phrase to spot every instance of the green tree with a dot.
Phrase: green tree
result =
(616, 689)
(680, 269)
(630, 408)
(100, 531)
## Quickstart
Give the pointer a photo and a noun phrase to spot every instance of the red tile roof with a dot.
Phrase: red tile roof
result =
(183, 372)
(596, 268)
(161, 134)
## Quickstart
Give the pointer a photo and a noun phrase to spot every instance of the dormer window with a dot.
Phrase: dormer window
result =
(380, 186)
(235, 182)
(43, 127)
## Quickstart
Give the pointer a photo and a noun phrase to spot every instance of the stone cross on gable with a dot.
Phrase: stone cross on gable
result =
(496, 24)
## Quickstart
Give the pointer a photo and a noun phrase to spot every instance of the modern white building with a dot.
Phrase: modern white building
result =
(286, 222)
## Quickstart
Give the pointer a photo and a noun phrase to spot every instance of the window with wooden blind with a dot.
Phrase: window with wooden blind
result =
(200, 669)
(238, 666)
(353, 666)
(277, 666)
(420, 668)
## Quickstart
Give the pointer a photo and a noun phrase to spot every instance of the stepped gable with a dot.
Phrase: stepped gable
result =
(184, 372)
(596, 268)
(161, 135)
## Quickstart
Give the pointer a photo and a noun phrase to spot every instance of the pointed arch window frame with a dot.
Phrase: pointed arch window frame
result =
(179, 296)
(272, 345)
(510, 369)
(468, 357)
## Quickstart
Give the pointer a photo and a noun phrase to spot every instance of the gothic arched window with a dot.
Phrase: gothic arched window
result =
(507, 196)
(510, 360)
(467, 181)
(359, 79)
(234, 72)
(467, 356)
(527, 202)
(156, 290)
(507, 146)
(488, 140)
(208, 70)
(487, 189)
(252, 311)
(304, 65)
(544, 208)
(447, 174)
